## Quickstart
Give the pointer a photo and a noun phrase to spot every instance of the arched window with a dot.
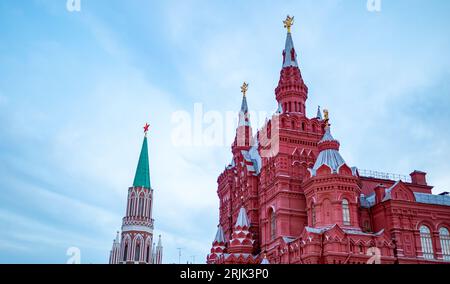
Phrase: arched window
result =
(137, 253)
(313, 214)
(345, 212)
(125, 252)
(293, 124)
(426, 242)
(273, 225)
(303, 126)
(444, 237)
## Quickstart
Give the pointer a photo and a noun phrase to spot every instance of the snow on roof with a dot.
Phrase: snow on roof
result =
(432, 199)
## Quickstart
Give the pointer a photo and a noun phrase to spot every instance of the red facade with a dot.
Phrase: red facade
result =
(305, 205)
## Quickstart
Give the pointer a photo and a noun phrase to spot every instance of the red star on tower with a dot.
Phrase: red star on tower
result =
(146, 128)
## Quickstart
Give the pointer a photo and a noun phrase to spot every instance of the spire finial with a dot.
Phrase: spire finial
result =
(244, 88)
(319, 113)
(326, 114)
(142, 176)
(288, 23)
(146, 128)
(326, 117)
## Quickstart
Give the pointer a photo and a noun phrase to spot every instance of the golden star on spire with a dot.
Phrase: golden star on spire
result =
(288, 23)
(244, 89)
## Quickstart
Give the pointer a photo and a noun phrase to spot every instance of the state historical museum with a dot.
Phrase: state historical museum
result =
(288, 196)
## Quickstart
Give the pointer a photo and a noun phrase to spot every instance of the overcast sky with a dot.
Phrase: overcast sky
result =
(77, 87)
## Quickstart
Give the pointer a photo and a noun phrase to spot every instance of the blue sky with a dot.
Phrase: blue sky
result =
(76, 89)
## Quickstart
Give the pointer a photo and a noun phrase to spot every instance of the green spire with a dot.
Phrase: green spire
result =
(142, 177)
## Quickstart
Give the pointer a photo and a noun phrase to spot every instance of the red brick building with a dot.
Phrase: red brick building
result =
(288, 196)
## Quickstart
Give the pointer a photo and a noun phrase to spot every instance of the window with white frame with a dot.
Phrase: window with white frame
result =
(426, 242)
(345, 212)
(444, 237)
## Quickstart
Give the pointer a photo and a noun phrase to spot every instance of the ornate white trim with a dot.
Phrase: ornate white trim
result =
(128, 228)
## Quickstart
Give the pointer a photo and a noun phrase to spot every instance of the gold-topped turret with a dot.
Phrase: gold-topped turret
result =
(288, 23)
(244, 89)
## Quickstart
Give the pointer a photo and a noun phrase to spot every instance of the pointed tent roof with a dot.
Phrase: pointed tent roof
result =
(289, 48)
(159, 242)
(220, 238)
(329, 152)
(265, 260)
(244, 119)
(142, 176)
(242, 219)
(279, 109)
(153, 253)
(327, 136)
(117, 240)
(244, 106)
(319, 113)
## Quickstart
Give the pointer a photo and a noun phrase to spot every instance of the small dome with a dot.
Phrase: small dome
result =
(329, 153)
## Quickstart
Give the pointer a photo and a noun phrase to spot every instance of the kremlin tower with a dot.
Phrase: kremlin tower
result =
(288, 196)
(135, 244)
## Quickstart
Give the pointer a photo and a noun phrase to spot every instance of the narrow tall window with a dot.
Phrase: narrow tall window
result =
(345, 212)
(137, 254)
(444, 237)
(141, 205)
(132, 198)
(148, 207)
(273, 225)
(130, 211)
(125, 252)
(147, 257)
(427, 243)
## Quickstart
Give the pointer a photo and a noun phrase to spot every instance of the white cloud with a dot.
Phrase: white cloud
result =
(31, 236)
